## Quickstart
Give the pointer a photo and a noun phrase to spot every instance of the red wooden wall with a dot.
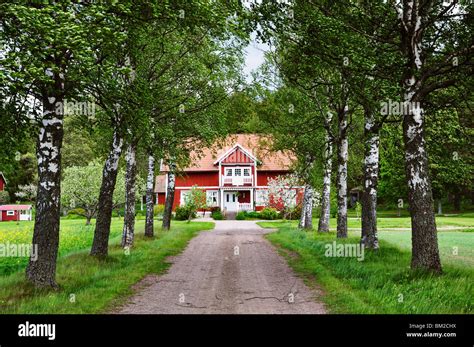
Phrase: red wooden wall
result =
(263, 176)
(6, 218)
(202, 179)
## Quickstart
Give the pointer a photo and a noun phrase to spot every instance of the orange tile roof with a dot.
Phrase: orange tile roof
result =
(258, 145)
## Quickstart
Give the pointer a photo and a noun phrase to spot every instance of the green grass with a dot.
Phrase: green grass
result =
(97, 286)
(74, 235)
(383, 278)
(461, 220)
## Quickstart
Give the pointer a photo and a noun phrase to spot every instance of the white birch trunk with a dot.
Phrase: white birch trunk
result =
(371, 169)
(323, 225)
(130, 179)
(149, 196)
(342, 156)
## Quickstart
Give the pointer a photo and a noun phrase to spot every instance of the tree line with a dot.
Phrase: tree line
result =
(148, 82)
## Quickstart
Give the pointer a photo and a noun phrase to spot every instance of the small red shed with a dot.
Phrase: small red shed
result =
(15, 212)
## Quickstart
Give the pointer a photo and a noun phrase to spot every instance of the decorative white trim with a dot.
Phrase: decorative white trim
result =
(231, 150)
(3, 176)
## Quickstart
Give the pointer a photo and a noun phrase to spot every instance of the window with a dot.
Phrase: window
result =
(183, 197)
(237, 172)
(228, 172)
(261, 197)
(211, 197)
(10, 213)
(247, 172)
(292, 201)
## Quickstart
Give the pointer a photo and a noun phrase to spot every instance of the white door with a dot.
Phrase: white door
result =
(231, 202)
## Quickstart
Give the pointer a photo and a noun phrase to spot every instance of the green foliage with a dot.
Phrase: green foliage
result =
(77, 212)
(217, 215)
(358, 209)
(269, 213)
(295, 212)
(184, 212)
(374, 284)
(4, 197)
(158, 210)
(253, 214)
(99, 285)
(241, 215)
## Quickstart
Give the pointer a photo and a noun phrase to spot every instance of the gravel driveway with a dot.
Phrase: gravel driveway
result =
(231, 269)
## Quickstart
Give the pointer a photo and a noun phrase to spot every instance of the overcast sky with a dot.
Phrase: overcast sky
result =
(254, 56)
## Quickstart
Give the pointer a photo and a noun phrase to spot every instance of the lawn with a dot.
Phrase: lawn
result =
(74, 235)
(383, 281)
(88, 285)
(463, 221)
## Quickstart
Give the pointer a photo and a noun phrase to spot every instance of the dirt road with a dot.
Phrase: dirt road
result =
(231, 269)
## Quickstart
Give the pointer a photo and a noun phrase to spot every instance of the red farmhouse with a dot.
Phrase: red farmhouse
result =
(234, 173)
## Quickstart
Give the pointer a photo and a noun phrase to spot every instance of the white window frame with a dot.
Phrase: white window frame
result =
(242, 169)
(10, 213)
(261, 196)
(210, 195)
(293, 200)
(182, 197)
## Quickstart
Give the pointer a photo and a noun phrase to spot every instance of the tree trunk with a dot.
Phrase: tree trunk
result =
(42, 271)
(130, 179)
(369, 198)
(100, 244)
(169, 198)
(149, 196)
(88, 220)
(440, 207)
(302, 223)
(308, 215)
(323, 225)
(425, 253)
(342, 155)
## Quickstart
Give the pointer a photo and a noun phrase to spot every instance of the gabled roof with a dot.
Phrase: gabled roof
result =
(256, 145)
(15, 207)
(232, 150)
(4, 179)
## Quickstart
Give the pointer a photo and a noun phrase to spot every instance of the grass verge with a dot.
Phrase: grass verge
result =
(382, 283)
(89, 285)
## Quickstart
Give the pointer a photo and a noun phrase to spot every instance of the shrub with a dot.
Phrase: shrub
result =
(242, 215)
(76, 213)
(183, 212)
(4, 197)
(269, 213)
(217, 215)
(295, 212)
(214, 209)
(158, 210)
(253, 214)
